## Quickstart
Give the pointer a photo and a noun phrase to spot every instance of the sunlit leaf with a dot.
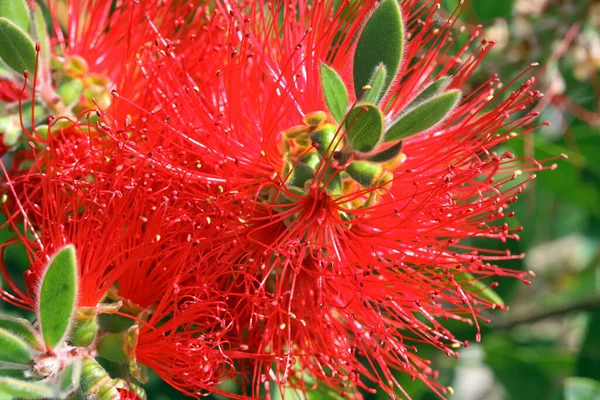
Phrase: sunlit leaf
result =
(335, 92)
(58, 296)
(17, 50)
(381, 42)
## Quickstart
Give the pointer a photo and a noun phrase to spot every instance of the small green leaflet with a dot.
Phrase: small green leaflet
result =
(381, 42)
(388, 154)
(13, 349)
(25, 390)
(335, 92)
(17, 12)
(425, 116)
(364, 127)
(58, 296)
(364, 172)
(21, 328)
(375, 88)
(17, 50)
(434, 89)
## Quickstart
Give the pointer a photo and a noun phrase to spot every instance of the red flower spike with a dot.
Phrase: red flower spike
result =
(328, 279)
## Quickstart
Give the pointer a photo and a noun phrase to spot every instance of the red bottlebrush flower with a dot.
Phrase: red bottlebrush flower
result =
(374, 267)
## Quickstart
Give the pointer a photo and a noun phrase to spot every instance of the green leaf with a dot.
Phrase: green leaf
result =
(119, 347)
(588, 362)
(434, 89)
(489, 10)
(381, 42)
(41, 33)
(582, 389)
(423, 117)
(17, 50)
(375, 87)
(13, 349)
(22, 328)
(17, 12)
(325, 138)
(479, 287)
(364, 127)
(300, 174)
(24, 389)
(364, 172)
(58, 296)
(69, 379)
(388, 154)
(335, 92)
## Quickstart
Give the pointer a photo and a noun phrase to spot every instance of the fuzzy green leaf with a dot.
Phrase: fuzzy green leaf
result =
(434, 89)
(388, 154)
(582, 389)
(425, 116)
(381, 42)
(25, 389)
(13, 349)
(58, 296)
(22, 328)
(17, 50)
(479, 287)
(41, 33)
(364, 127)
(17, 12)
(364, 172)
(299, 175)
(373, 94)
(325, 140)
(335, 92)
(69, 379)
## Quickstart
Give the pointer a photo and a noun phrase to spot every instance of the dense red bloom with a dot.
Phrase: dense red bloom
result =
(179, 198)
(328, 280)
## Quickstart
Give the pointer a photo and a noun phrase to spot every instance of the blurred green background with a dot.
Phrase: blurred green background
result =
(552, 330)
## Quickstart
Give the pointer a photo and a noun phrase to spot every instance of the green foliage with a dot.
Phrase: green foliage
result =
(335, 92)
(423, 117)
(17, 12)
(17, 50)
(380, 42)
(58, 296)
(25, 389)
(375, 87)
(582, 389)
(13, 350)
(364, 127)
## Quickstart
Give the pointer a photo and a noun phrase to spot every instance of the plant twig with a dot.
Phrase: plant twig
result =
(538, 315)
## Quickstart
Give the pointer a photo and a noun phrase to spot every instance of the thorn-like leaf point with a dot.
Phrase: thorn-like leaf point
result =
(381, 42)
(335, 92)
(58, 296)
(13, 349)
(364, 127)
(423, 117)
(375, 88)
(17, 12)
(17, 388)
(364, 172)
(434, 89)
(22, 328)
(17, 50)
